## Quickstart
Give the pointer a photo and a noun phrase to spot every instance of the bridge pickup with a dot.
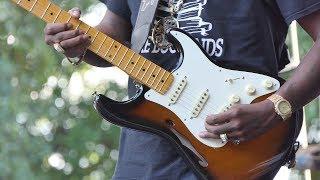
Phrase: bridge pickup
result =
(200, 104)
(174, 96)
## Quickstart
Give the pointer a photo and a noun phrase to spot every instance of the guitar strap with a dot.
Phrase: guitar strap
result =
(143, 24)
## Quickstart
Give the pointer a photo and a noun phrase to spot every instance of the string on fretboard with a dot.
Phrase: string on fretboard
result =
(136, 66)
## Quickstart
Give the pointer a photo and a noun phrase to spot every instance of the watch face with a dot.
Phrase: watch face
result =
(284, 107)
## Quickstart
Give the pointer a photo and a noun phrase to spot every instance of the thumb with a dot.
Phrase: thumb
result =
(75, 12)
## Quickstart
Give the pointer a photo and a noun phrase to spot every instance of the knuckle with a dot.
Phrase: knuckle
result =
(241, 134)
(65, 26)
(236, 111)
(79, 39)
(237, 125)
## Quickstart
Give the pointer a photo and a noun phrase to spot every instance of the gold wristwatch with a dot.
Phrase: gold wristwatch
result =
(281, 106)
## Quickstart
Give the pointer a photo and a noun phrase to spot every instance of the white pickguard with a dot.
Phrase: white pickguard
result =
(202, 74)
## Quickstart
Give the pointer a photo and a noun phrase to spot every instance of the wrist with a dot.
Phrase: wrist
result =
(282, 107)
(268, 106)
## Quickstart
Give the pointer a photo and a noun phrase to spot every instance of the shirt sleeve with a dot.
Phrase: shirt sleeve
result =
(294, 9)
(119, 7)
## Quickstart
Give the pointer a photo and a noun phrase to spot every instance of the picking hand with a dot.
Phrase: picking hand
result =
(242, 122)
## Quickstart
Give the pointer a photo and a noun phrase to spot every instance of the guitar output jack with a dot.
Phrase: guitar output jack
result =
(170, 123)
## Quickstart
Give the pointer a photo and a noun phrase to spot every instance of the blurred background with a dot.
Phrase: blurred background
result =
(48, 126)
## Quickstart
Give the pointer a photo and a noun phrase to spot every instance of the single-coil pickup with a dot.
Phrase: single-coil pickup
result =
(174, 96)
(200, 104)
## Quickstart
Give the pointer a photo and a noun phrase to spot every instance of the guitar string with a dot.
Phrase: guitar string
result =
(193, 101)
(190, 111)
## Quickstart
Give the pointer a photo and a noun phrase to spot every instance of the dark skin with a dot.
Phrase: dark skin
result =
(245, 122)
(242, 122)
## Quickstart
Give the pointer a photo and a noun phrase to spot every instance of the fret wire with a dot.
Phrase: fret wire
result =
(156, 76)
(146, 70)
(95, 36)
(109, 48)
(141, 67)
(33, 5)
(105, 37)
(123, 56)
(55, 19)
(46, 9)
(129, 61)
(116, 53)
(151, 75)
(19, 2)
(88, 30)
(164, 72)
(78, 25)
(69, 19)
(135, 64)
(164, 82)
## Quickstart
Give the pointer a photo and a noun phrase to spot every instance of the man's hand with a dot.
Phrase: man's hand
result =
(74, 42)
(308, 158)
(242, 122)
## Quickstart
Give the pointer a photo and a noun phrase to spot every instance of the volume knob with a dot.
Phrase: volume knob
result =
(234, 99)
(251, 90)
(268, 84)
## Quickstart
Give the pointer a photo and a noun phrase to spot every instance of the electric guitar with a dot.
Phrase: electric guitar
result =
(174, 104)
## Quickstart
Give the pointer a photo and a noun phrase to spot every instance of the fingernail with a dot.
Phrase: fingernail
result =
(81, 32)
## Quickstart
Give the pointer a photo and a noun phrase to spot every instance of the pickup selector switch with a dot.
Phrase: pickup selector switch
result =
(251, 90)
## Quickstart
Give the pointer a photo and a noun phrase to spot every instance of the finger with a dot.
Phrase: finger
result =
(237, 135)
(224, 117)
(218, 118)
(206, 134)
(220, 129)
(77, 51)
(52, 29)
(69, 43)
(75, 12)
(65, 35)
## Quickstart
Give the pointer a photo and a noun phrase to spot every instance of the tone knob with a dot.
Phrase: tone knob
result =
(251, 90)
(268, 84)
(234, 99)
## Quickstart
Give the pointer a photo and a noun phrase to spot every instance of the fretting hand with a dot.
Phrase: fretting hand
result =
(73, 42)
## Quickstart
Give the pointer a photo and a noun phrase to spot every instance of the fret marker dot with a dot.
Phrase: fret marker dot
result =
(132, 62)
(153, 75)
(115, 46)
(143, 69)
(51, 14)
(162, 81)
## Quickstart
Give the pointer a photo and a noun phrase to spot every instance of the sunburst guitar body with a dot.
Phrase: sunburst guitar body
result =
(200, 88)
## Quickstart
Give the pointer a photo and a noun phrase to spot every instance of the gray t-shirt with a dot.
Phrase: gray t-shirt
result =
(245, 33)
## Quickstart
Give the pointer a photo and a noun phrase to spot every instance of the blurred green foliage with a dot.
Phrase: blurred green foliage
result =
(45, 134)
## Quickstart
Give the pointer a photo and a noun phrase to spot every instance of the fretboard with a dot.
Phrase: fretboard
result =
(135, 65)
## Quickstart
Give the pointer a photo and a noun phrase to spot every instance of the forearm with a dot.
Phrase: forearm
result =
(95, 60)
(304, 84)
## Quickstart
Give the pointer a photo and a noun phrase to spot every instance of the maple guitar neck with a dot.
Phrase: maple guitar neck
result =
(135, 65)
